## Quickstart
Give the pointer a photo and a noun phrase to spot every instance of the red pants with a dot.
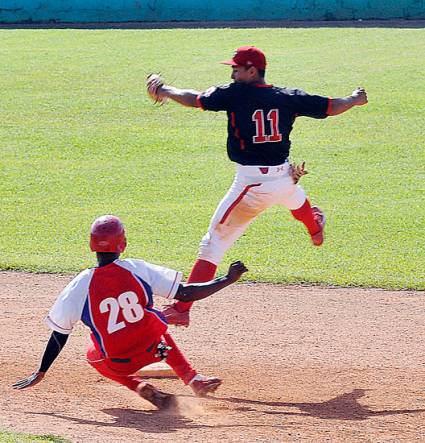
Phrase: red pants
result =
(122, 372)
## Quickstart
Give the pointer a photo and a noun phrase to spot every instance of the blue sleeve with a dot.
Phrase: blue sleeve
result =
(216, 98)
(315, 106)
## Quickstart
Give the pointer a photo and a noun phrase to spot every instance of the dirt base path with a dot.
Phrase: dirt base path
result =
(299, 364)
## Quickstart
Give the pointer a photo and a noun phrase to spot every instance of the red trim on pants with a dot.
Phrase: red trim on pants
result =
(240, 197)
(204, 270)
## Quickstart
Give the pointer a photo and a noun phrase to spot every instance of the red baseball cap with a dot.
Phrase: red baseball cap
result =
(248, 56)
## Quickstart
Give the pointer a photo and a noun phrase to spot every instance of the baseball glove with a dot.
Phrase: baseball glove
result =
(297, 171)
(153, 83)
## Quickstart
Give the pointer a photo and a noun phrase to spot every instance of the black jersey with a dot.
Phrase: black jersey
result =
(260, 119)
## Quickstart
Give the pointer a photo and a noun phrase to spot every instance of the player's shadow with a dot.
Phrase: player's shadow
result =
(147, 421)
(152, 421)
(342, 407)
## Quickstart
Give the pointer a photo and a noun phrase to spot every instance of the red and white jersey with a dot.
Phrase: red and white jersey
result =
(115, 302)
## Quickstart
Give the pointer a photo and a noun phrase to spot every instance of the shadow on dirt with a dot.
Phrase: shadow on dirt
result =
(145, 421)
(155, 422)
(343, 407)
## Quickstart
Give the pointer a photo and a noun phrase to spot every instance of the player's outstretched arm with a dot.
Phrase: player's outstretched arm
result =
(186, 97)
(53, 348)
(197, 291)
(160, 92)
(340, 105)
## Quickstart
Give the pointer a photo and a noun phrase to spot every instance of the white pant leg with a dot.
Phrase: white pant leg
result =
(284, 192)
(251, 193)
(295, 198)
(280, 190)
(236, 211)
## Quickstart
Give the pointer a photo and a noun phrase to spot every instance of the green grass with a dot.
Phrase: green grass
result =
(79, 138)
(14, 437)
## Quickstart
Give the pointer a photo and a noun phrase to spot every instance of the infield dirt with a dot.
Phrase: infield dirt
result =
(299, 364)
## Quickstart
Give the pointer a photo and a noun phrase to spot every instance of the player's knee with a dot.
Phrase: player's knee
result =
(211, 254)
(210, 249)
(296, 199)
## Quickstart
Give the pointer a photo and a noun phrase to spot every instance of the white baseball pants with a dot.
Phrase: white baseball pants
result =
(254, 189)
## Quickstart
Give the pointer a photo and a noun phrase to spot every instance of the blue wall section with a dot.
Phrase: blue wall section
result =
(206, 10)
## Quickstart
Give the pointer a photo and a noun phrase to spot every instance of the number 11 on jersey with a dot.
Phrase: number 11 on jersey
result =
(260, 135)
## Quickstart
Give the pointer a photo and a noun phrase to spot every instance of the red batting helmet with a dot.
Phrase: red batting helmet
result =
(107, 234)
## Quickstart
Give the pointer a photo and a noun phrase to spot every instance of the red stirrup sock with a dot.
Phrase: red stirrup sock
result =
(178, 361)
(305, 215)
(202, 271)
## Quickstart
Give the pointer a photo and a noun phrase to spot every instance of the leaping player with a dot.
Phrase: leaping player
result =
(260, 120)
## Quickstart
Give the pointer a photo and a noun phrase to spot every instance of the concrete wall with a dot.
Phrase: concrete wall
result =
(209, 10)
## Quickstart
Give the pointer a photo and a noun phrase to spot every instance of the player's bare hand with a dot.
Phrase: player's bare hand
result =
(236, 269)
(297, 171)
(360, 96)
(32, 380)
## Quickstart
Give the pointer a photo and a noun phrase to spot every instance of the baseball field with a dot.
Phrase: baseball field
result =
(315, 344)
